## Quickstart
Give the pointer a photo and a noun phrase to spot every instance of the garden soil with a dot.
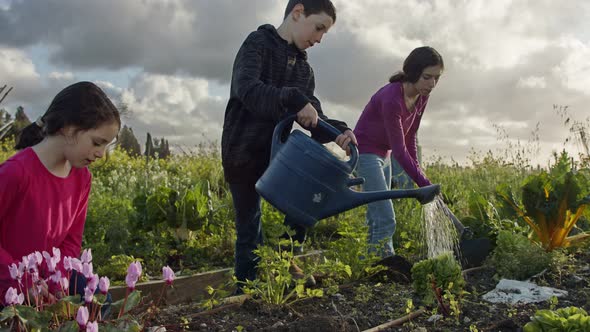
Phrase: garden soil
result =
(366, 304)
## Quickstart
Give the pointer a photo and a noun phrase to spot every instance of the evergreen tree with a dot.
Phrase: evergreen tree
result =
(163, 150)
(149, 147)
(128, 142)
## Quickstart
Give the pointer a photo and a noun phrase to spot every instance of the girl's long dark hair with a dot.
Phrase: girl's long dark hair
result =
(419, 58)
(82, 105)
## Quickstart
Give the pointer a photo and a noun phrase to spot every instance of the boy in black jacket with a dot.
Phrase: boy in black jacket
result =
(271, 79)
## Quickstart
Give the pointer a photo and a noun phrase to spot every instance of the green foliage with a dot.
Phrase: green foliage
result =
(349, 257)
(570, 319)
(215, 296)
(169, 208)
(116, 267)
(275, 284)
(442, 272)
(552, 202)
(516, 257)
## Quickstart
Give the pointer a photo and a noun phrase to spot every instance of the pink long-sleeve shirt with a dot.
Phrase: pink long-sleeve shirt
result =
(387, 127)
(39, 211)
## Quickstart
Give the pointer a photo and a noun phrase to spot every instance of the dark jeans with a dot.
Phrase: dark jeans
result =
(249, 229)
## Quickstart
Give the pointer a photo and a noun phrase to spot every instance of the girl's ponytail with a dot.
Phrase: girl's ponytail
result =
(30, 135)
(398, 77)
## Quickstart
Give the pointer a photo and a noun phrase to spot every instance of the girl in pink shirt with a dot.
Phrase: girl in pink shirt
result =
(44, 187)
(388, 126)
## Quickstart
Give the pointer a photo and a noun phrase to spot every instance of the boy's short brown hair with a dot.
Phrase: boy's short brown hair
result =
(313, 7)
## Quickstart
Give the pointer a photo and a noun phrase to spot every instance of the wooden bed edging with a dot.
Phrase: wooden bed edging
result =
(187, 289)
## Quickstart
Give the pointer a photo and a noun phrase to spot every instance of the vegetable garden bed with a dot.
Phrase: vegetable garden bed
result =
(371, 305)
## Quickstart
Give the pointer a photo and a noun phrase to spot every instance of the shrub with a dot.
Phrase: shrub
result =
(516, 257)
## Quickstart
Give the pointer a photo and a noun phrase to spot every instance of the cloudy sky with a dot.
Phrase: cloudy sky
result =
(508, 62)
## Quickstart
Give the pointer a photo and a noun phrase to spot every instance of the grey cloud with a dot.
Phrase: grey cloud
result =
(149, 34)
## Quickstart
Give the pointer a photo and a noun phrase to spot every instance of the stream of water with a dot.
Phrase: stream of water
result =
(437, 229)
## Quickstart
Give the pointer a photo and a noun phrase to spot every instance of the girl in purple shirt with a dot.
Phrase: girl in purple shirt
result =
(387, 127)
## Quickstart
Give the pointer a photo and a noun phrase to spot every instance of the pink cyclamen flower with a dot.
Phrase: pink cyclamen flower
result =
(103, 285)
(65, 284)
(134, 269)
(56, 254)
(92, 282)
(86, 256)
(56, 277)
(87, 270)
(88, 295)
(15, 272)
(133, 274)
(68, 263)
(76, 265)
(130, 280)
(38, 256)
(32, 261)
(12, 297)
(168, 275)
(82, 317)
(92, 327)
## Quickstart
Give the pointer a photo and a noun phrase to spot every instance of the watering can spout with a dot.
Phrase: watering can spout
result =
(353, 198)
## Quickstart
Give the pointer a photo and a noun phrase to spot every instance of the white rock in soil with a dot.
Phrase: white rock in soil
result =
(435, 318)
(156, 329)
(514, 291)
(277, 324)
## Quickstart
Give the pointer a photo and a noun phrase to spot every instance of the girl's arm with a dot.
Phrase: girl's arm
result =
(72, 244)
(397, 140)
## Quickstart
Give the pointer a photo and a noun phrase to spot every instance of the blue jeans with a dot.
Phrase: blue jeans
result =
(249, 229)
(380, 214)
(401, 179)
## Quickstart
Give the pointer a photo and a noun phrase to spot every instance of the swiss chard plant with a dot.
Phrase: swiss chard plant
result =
(552, 202)
(431, 277)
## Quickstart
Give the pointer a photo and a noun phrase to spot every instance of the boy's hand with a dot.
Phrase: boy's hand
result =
(308, 116)
(344, 139)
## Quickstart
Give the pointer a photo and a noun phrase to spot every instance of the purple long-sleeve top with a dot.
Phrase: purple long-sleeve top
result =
(386, 127)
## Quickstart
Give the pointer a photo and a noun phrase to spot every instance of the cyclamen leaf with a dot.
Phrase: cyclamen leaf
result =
(69, 326)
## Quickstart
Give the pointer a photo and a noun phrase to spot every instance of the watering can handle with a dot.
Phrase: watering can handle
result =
(323, 125)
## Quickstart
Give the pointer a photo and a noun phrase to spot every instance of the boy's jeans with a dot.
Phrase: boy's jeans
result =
(380, 214)
(249, 229)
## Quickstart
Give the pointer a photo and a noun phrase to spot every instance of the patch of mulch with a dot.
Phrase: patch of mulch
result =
(366, 304)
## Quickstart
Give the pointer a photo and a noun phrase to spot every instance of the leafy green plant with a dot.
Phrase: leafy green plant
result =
(441, 272)
(215, 296)
(552, 203)
(275, 284)
(117, 268)
(349, 257)
(565, 319)
(516, 257)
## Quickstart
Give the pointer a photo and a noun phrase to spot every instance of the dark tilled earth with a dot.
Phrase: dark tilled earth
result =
(367, 304)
